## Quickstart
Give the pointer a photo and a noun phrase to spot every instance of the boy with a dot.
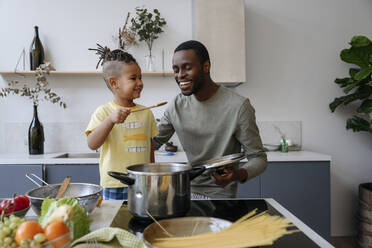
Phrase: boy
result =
(125, 137)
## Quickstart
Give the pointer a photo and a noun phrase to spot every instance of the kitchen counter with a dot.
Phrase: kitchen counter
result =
(232, 209)
(179, 157)
(113, 213)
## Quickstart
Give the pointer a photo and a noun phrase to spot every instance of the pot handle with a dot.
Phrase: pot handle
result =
(122, 177)
(196, 171)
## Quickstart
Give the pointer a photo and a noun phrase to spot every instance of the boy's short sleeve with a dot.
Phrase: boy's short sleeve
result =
(97, 118)
(154, 127)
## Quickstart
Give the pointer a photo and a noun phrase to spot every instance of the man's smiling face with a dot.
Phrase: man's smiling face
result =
(188, 71)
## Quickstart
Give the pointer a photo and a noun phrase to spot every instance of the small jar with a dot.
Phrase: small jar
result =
(284, 145)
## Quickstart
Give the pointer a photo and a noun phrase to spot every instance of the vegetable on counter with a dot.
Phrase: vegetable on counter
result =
(15, 204)
(66, 208)
(61, 214)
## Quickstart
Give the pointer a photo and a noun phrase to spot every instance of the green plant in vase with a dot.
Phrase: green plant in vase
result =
(40, 92)
(148, 25)
(357, 87)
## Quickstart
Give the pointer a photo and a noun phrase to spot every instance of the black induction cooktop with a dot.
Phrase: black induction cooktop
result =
(225, 209)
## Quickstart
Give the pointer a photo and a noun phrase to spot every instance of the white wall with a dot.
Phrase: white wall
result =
(293, 51)
(67, 29)
(292, 59)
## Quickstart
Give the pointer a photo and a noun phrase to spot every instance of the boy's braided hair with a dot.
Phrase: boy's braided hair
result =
(112, 61)
(105, 54)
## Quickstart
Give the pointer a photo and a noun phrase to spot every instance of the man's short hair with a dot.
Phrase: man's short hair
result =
(199, 49)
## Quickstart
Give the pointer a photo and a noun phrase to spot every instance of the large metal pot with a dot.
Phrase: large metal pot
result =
(86, 194)
(161, 189)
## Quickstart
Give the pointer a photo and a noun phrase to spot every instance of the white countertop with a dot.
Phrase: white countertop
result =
(179, 157)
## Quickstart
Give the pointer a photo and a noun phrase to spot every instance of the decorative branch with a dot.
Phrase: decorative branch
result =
(35, 93)
(127, 37)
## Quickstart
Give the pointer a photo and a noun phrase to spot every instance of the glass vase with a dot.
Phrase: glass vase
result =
(150, 65)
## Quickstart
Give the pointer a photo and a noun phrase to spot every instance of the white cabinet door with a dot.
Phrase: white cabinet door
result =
(220, 26)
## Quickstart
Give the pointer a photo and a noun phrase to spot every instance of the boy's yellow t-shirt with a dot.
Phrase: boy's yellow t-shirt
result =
(127, 144)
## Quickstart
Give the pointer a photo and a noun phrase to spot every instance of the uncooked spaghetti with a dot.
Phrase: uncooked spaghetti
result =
(161, 227)
(249, 231)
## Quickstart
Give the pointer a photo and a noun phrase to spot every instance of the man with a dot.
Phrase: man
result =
(210, 121)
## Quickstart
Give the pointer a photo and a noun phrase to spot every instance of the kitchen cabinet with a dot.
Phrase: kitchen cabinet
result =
(220, 26)
(301, 187)
(80, 173)
(13, 180)
(250, 189)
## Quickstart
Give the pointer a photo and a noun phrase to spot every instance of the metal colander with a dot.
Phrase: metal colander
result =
(87, 194)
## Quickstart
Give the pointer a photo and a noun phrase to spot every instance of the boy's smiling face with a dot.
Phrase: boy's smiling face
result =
(128, 85)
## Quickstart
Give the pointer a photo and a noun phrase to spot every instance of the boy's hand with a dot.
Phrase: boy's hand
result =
(119, 115)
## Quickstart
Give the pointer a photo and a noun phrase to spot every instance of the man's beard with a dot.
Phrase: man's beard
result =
(197, 85)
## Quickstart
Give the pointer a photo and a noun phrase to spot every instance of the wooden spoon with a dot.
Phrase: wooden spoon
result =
(153, 106)
(62, 189)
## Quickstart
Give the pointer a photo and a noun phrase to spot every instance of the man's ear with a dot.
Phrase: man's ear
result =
(112, 82)
(207, 66)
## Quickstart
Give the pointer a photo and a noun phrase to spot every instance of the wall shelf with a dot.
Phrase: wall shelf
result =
(79, 73)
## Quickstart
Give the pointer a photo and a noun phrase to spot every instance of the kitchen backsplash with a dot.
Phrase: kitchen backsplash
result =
(70, 136)
(272, 132)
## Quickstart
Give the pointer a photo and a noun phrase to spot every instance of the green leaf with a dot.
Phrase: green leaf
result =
(363, 73)
(353, 71)
(147, 25)
(365, 107)
(350, 87)
(362, 92)
(355, 55)
(358, 124)
(336, 102)
(360, 41)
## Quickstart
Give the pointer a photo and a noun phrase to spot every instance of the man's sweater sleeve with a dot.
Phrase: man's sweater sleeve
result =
(166, 130)
(248, 135)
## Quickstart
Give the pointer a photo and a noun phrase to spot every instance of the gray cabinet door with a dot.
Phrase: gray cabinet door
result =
(303, 188)
(250, 189)
(80, 173)
(13, 180)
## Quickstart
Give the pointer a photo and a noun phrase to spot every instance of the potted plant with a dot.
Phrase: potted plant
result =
(357, 87)
(358, 90)
(148, 25)
(38, 93)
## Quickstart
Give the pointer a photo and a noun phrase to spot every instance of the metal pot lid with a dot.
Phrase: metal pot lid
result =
(222, 161)
(156, 169)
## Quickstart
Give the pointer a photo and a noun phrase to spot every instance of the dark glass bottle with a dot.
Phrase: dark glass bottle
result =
(36, 51)
(36, 135)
